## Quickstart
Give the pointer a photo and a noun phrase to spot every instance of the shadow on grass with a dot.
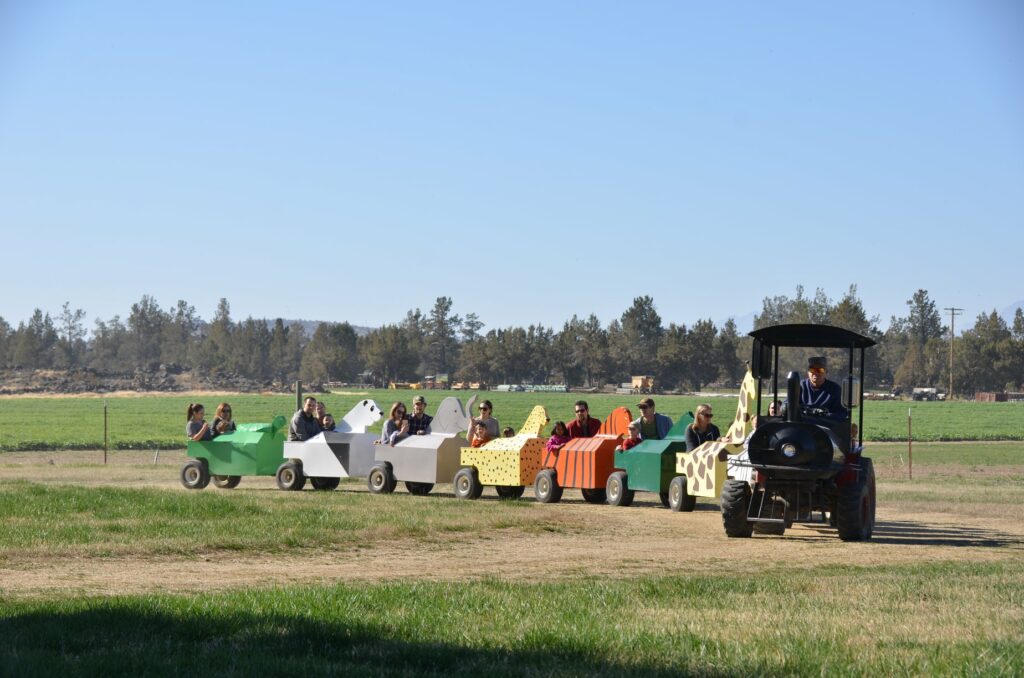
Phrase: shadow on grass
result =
(118, 638)
(912, 533)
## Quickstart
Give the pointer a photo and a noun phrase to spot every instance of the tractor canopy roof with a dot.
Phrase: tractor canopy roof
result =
(824, 336)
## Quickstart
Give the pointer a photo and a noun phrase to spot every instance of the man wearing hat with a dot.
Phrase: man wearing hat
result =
(419, 420)
(818, 392)
(653, 426)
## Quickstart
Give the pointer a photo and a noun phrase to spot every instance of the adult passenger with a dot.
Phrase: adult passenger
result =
(583, 426)
(701, 430)
(653, 426)
(493, 427)
(304, 424)
(419, 422)
(222, 422)
(396, 428)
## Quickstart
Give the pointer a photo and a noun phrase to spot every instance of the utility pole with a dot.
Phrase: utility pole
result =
(953, 313)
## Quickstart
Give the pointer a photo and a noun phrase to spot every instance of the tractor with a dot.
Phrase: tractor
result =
(802, 461)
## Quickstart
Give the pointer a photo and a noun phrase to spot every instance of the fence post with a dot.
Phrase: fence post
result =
(910, 446)
(298, 395)
(104, 431)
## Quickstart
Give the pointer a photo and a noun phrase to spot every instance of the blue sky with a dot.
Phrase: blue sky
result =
(531, 160)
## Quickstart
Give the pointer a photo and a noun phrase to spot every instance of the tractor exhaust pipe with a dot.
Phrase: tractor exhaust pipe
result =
(793, 396)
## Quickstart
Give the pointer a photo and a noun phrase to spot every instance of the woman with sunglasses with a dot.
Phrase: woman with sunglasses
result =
(701, 430)
(493, 427)
(222, 422)
(396, 427)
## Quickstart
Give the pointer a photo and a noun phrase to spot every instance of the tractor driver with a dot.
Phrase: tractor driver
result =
(818, 393)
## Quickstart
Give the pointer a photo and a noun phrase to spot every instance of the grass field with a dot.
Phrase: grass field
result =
(116, 569)
(157, 421)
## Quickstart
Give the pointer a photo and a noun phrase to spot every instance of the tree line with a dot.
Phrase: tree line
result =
(912, 351)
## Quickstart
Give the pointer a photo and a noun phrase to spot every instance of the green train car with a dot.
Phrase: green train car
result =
(650, 466)
(251, 450)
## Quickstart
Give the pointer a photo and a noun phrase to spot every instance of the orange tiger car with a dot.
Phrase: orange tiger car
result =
(583, 463)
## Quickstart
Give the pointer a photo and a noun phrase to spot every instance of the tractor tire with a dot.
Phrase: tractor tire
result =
(290, 477)
(510, 491)
(546, 488)
(418, 489)
(467, 484)
(855, 508)
(774, 508)
(679, 499)
(597, 495)
(617, 490)
(195, 474)
(325, 483)
(735, 503)
(381, 480)
(226, 482)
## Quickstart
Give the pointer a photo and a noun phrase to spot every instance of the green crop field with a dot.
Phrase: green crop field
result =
(158, 421)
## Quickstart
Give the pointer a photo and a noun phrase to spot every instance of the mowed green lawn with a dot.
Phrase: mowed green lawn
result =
(857, 615)
(158, 421)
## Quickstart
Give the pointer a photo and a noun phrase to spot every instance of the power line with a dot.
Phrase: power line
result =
(953, 313)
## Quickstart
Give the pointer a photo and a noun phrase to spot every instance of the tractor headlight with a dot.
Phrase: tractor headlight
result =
(790, 450)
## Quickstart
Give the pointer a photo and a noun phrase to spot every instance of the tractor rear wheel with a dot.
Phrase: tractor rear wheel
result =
(596, 495)
(467, 485)
(679, 498)
(325, 483)
(617, 489)
(855, 508)
(195, 475)
(546, 488)
(510, 491)
(735, 503)
(418, 489)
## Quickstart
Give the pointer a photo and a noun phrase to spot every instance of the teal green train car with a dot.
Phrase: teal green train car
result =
(650, 466)
(251, 450)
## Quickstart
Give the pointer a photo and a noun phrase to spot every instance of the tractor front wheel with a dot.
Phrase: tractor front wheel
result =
(735, 503)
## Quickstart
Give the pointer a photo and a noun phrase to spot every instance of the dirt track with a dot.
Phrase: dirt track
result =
(643, 539)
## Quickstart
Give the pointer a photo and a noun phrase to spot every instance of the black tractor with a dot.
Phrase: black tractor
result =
(804, 463)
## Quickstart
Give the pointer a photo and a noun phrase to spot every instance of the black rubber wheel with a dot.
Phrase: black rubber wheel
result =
(510, 491)
(381, 480)
(546, 488)
(617, 490)
(735, 502)
(195, 474)
(418, 489)
(663, 496)
(855, 508)
(290, 477)
(679, 499)
(466, 484)
(771, 508)
(597, 495)
(325, 483)
(226, 482)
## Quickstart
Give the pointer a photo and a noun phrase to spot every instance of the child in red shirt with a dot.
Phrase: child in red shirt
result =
(479, 437)
(632, 439)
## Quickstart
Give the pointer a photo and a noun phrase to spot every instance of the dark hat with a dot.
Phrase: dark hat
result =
(817, 361)
(420, 399)
(646, 401)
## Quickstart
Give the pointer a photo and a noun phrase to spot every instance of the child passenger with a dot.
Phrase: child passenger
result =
(632, 439)
(480, 435)
(508, 432)
(559, 437)
(196, 427)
